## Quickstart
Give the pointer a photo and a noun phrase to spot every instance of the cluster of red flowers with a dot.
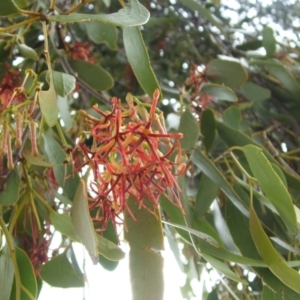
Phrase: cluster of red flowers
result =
(130, 156)
(8, 88)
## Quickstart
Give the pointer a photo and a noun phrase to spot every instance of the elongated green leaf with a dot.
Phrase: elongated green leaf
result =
(224, 254)
(207, 192)
(272, 186)
(102, 33)
(108, 249)
(218, 92)
(269, 41)
(82, 222)
(211, 171)
(48, 105)
(64, 83)
(27, 277)
(92, 74)
(268, 294)
(239, 229)
(132, 14)
(208, 128)
(223, 268)
(233, 137)
(64, 111)
(138, 58)
(146, 240)
(273, 259)
(197, 233)
(10, 194)
(175, 215)
(190, 129)
(59, 272)
(6, 273)
(227, 72)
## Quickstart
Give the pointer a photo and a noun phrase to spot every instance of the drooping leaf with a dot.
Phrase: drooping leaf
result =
(64, 83)
(10, 194)
(132, 14)
(208, 128)
(139, 60)
(48, 105)
(218, 92)
(27, 52)
(207, 193)
(269, 41)
(211, 171)
(226, 72)
(82, 222)
(59, 272)
(102, 33)
(190, 129)
(197, 233)
(27, 277)
(223, 268)
(146, 241)
(6, 273)
(272, 186)
(273, 259)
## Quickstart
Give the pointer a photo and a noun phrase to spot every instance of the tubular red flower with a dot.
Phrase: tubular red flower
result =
(129, 157)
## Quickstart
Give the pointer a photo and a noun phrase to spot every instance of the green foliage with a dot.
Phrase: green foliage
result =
(231, 189)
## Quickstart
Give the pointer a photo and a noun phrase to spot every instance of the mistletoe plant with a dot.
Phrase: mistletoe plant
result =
(88, 150)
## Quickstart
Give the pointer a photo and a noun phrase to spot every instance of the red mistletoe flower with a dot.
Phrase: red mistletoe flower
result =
(8, 88)
(130, 156)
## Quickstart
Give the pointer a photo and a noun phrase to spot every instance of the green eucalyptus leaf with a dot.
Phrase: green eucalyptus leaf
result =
(272, 186)
(190, 129)
(218, 92)
(82, 222)
(226, 72)
(208, 128)
(102, 33)
(207, 193)
(132, 14)
(273, 259)
(10, 194)
(211, 171)
(27, 277)
(139, 60)
(145, 238)
(64, 83)
(223, 268)
(269, 41)
(59, 272)
(27, 52)
(6, 273)
(92, 74)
